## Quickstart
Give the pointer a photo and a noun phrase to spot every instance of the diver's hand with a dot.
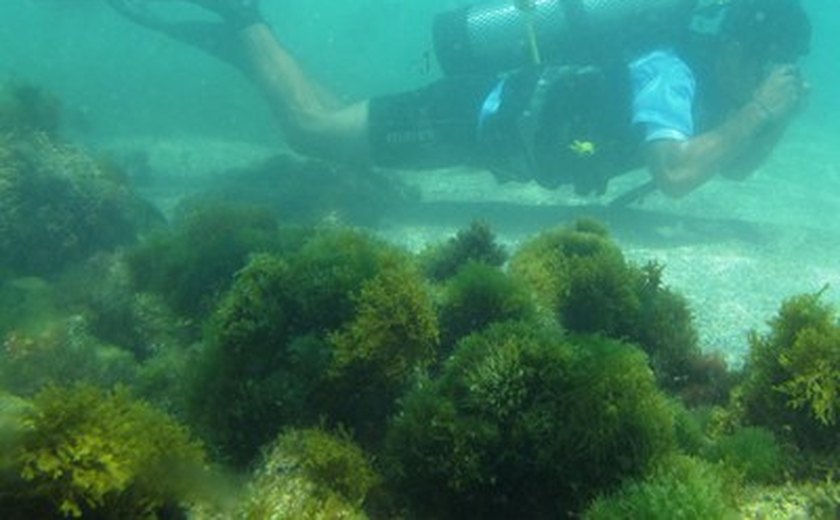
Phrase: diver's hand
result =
(782, 93)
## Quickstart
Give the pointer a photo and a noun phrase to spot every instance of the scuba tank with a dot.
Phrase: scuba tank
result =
(501, 35)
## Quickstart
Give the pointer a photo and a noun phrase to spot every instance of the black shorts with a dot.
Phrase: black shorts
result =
(434, 127)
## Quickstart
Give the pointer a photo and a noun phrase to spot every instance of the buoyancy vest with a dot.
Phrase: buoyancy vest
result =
(562, 125)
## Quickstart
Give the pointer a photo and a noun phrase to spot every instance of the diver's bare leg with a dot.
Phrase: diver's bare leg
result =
(312, 127)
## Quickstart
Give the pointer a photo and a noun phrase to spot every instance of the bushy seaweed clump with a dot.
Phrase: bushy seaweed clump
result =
(27, 304)
(752, 452)
(681, 488)
(478, 295)
(89, 453)
(13, 425)
(793, 375)
(61, 351)
(580, 277)
(474, 244)
(27, 108)
(101, 290)
(524, 423)
(309, 191)
(327, 271)
(311, 474)
(91, 326)
(391, 338)
(245, 387)
(193, 263)
(664, 327)
(57, 204)
(811, 500)
(333, 331)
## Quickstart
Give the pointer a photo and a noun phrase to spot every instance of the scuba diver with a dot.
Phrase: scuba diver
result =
(558, 91)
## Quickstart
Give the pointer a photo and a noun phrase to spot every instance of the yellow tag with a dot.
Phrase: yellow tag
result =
(583, 148)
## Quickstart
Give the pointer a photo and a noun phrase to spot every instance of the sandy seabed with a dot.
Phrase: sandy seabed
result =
(735, 250)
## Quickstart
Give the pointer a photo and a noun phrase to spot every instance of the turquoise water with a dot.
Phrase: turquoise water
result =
(124, 78)
(77, 48)
(177, 123)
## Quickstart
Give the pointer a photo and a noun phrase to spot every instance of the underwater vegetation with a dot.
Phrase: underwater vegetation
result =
(338, 380)
(476, 244)
(84, 452)
(102, 293)
(792, 378)
(681, 488)
(26, 302)
(392, 337)
(473, 288)
(57, 203)
(13, 410)
(339, 376)
(61, 352)
(27, 108)
(752, 452)
(310, 474)
(236, 399)
(477, 296)
(526, 422)
(89, 325)
(309, 191)
(580, 278)
(336, 329)
(193, 262)
(817, 500)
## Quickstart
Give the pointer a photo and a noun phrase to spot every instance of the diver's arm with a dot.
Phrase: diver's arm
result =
(314, 123)
(754, 156)
(678, 167)
(737, 146)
